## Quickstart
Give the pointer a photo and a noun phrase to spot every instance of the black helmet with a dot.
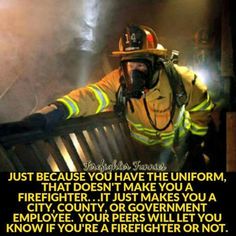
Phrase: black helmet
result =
(139, 39)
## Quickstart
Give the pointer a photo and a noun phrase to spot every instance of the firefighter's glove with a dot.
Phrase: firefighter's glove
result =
(46, 118)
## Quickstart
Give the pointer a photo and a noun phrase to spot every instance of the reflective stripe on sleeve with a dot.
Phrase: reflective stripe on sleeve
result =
(206, 105)
(198, 130)
(187, 120)
(101, 97)
(71, 106)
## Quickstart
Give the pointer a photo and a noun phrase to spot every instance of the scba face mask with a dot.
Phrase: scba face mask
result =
(136, 81)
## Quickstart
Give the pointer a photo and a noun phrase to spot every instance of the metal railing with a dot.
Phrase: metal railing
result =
(103, 137)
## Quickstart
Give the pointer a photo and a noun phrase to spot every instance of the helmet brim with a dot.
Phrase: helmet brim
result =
(158, 52)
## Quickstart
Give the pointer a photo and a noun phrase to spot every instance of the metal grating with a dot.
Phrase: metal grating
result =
(71, 144)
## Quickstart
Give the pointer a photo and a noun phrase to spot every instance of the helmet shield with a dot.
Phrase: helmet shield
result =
(139, 39)
(134, 38)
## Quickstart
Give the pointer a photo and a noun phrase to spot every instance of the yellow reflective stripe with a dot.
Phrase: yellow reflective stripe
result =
(141, 138)
(167, 143)
(141, 128)
(144, 130)
(167, 137)
(166, 134)
(71, 105)
(182, 131)
(206, 105)
(198, 130)
(151, 134)
(187, 120)
(184, 123)
(144, 139)
(101, 97)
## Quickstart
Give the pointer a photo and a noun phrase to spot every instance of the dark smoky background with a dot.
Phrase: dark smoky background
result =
(49, 47)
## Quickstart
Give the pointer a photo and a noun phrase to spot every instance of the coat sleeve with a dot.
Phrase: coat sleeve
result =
(93, 98)
(199, 104)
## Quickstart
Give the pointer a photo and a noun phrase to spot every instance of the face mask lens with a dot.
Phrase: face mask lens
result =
(135, 83)
(138, 79)
(137, 75)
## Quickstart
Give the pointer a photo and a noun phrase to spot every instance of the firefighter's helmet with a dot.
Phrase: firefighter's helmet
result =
(139, 39)
(140, 43)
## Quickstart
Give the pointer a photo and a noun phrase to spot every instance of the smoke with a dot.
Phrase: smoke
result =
(46, 48)
(49, 47)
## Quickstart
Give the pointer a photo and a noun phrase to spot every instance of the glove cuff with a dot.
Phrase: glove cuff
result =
(62, 109)
(56, 107)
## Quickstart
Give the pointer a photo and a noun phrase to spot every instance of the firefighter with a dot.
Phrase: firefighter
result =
(167, 107)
